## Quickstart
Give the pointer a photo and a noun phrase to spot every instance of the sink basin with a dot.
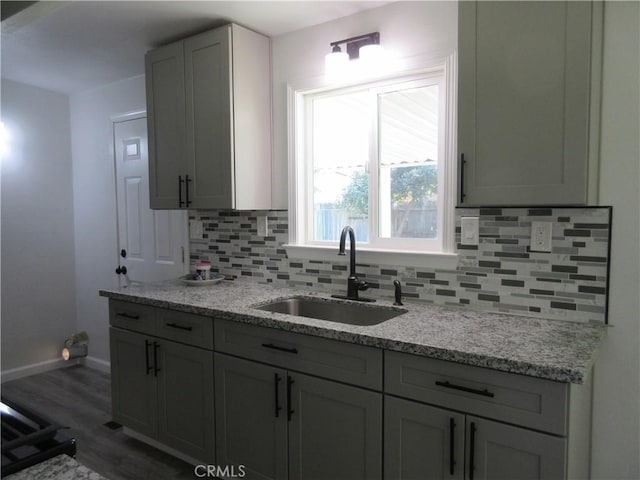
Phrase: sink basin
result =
(348, 313)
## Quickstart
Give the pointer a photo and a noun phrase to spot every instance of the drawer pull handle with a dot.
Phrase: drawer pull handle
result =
(463, 163)
(156, 346)
(484, 393)
(472, 450)
(282, 349)
(147, 344)
(277, 388)
(452, 431)
(179, 327)
(180, 182)
(128, 315)
(290, 411)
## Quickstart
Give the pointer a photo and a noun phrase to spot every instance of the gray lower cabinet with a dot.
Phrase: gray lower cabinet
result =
(133, 389)
(290, 406)
(251, 424)
(423, 442)
(335, 431)
(163, 390)
(504, 452)
(185, 399)
(450, 421)
(282, 424)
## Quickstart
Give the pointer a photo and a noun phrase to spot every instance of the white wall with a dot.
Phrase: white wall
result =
(407, 29)
(616, 429)
(38, 281)
(95, 203)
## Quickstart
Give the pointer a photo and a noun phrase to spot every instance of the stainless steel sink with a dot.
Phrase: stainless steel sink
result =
(349, 313)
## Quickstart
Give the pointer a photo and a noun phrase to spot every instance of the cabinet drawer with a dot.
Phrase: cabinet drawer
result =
(132, 316)
(527, 401)
(187, 328)
(345, 362)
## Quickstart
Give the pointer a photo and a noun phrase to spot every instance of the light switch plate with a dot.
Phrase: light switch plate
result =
(262, 225)
(541, 236)
(469, 231)
(195, 229)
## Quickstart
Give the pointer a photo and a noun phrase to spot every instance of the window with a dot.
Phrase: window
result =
(377, 157)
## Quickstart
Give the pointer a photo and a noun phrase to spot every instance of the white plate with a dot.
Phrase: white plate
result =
(190, 280)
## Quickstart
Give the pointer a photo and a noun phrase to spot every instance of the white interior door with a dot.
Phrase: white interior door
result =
(152, 243)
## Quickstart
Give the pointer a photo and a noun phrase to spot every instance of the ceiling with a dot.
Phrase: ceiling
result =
(70, 46)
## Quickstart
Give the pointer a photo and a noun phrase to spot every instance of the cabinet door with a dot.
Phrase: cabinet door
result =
(503, 452)
(185, 398)
(164, 71)
(208, 119)
(251, 417)
(422, 442)
(335, 431)
(133, 386)
(524, 73)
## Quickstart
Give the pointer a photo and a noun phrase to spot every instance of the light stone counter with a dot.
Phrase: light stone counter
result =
(61, 467)
(551, 349)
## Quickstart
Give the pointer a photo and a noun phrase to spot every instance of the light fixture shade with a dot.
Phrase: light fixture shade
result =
(335, 61)
(371, 53)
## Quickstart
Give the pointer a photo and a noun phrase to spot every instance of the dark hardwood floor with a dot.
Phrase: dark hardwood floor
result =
(80, 398)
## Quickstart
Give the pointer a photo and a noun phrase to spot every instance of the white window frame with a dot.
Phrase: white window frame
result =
(300, 245)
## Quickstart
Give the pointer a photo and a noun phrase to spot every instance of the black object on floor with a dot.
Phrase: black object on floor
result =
(112, 425)
(29, 438)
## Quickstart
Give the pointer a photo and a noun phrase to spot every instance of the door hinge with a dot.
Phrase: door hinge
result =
(182, 253)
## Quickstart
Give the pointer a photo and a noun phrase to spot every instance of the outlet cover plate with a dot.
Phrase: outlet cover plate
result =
(469, 230)
(541, 236)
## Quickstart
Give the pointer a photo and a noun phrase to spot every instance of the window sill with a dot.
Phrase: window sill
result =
(443, 261)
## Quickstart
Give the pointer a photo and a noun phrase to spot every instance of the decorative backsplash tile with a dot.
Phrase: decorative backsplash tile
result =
(501, 273)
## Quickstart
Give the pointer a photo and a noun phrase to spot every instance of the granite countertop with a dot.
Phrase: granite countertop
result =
(551, 349)
(61, 467)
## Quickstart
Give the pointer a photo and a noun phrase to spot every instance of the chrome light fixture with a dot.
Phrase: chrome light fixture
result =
(366, 47)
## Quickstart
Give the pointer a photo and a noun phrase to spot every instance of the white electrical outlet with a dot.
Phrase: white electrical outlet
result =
(262, 226)
(469, 231)
(195, 229)
(541, 236)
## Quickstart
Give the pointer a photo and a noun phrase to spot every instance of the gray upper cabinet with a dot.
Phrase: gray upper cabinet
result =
(527, 77)
(209, 121)
(166, 125)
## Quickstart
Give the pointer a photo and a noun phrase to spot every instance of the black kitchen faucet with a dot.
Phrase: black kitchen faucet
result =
(354, 284)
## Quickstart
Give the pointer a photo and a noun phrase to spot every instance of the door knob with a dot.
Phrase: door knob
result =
(121, 270)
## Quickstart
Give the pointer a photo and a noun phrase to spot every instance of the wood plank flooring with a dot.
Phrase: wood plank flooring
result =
(80, 398)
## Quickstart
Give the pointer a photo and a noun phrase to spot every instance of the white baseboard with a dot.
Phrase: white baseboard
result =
(98, 364)
(27, 370)
(160, 446)
(40, 367)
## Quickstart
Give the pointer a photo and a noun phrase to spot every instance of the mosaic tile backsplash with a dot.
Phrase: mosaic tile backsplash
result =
(500, 274)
